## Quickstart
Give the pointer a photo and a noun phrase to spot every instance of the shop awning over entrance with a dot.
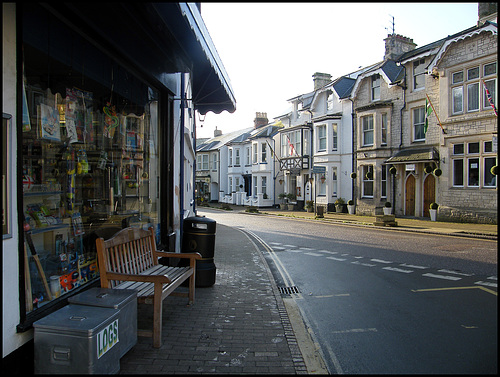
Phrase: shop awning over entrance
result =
(212, 89)
(414, 155)
(159, 39)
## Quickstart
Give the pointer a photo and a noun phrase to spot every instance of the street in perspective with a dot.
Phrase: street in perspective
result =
(380, 300)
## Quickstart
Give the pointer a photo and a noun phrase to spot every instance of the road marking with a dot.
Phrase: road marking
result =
(338, 259)
(455, 288)
(314, 254)
(364, 264)
(492, 278)
(487, 283)
(397, 270)
(306, 248)
(330, 296)
(380, 261)
(279, 247)
(327, 252)
(470, 327)
(442, 277)
(455, 272)
(413, 266)
(295, 251)
(354, 331)
(275, 243)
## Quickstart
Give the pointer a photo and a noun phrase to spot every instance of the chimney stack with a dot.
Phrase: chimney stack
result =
(321, 79)
(487, 12)
(396, 45)
(217, 132)
(260, 120)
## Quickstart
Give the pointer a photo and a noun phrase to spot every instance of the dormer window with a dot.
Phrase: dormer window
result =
(419, 74)
(375, 88)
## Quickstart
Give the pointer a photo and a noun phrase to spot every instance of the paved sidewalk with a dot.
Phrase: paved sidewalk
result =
(423, 225)
(238, 326)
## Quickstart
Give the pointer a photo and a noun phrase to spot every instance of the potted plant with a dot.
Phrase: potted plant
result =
(291, 197)
(387, 208)
(339, 205)
(353, 175)
(433, 211)
(309, 205)
(438, 172)
(428, 169)
(282, 197)
(393, 170)
(350, 207)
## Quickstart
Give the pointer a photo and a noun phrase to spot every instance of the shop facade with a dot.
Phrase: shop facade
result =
(99, 112)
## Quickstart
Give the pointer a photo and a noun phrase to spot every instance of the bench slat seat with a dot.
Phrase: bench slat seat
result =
(129, 260)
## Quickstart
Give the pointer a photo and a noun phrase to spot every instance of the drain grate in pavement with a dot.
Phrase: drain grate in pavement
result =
(288, 290)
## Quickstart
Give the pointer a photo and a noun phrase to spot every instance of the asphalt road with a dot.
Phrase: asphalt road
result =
(384, 302)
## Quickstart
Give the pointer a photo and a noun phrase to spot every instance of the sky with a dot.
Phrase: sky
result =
(271, 50)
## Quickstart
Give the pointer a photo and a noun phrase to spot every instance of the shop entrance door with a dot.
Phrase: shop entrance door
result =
(429, 193)
(410, 196)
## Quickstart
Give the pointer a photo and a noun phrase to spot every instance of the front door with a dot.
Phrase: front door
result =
(429, 193)
(410, 196)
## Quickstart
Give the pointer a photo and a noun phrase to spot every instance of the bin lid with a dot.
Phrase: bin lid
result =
(104, 297)
(199, 224)
(79, 320)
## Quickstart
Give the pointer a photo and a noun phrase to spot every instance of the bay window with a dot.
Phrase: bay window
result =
(467, 88)
(322, 138)
(367, 181)
(472, 163)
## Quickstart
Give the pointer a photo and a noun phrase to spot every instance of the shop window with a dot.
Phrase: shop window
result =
(90, 161)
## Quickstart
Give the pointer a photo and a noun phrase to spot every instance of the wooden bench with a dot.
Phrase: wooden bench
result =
(129, 260)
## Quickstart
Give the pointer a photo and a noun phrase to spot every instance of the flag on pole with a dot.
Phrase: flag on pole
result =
(490, 98)
(428, 112)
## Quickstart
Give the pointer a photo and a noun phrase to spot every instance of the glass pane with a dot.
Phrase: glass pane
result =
(458, 149)
(489, 179)
(490, 69)
(458, 172)
(473, 172)
(458, 77)
(491, 85)
(457, 100)
(473, 147)
(473, 73)
(473, 97)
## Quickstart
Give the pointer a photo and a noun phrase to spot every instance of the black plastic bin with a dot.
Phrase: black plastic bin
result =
(199, 237)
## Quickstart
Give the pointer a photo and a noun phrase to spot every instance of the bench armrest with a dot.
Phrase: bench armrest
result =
(178, 255)
(142, 278)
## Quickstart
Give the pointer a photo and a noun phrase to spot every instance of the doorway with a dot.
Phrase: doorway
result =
(410, 196)
(429, 193)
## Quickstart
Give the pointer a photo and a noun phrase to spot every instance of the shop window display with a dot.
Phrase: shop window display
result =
(89, 160)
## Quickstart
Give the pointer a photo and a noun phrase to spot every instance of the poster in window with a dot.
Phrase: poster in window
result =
(50, 126)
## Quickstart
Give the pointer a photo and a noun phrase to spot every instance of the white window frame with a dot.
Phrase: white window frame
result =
(322, 142)
(383, 129)
(418, 118)
(474, 160)
(367, 130)
(334, 181)
(334, 136)
(367, 184)
(263, 153)
(255, 153)
(204, 162)
(230, 156)
(264, 184)
(237, 157)
(419, 74)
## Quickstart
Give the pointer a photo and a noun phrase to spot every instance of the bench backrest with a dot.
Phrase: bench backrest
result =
(130, 251)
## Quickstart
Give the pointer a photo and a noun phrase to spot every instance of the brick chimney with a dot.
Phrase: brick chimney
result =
(260, 120)
(487, 12)
(321, 79)
(217, 132)
(396, 45)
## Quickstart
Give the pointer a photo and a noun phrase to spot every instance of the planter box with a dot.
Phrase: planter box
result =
(351, 209)
(387, 210)
(433, 214)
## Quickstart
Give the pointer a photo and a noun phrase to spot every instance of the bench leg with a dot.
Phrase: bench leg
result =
(157, 315)
(192, 281)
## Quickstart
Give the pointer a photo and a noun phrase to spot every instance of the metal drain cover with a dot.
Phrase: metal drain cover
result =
(288, 290)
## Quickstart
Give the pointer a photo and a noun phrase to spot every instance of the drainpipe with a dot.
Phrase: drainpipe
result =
(181, 173)
(354, 133)
(194, 162)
